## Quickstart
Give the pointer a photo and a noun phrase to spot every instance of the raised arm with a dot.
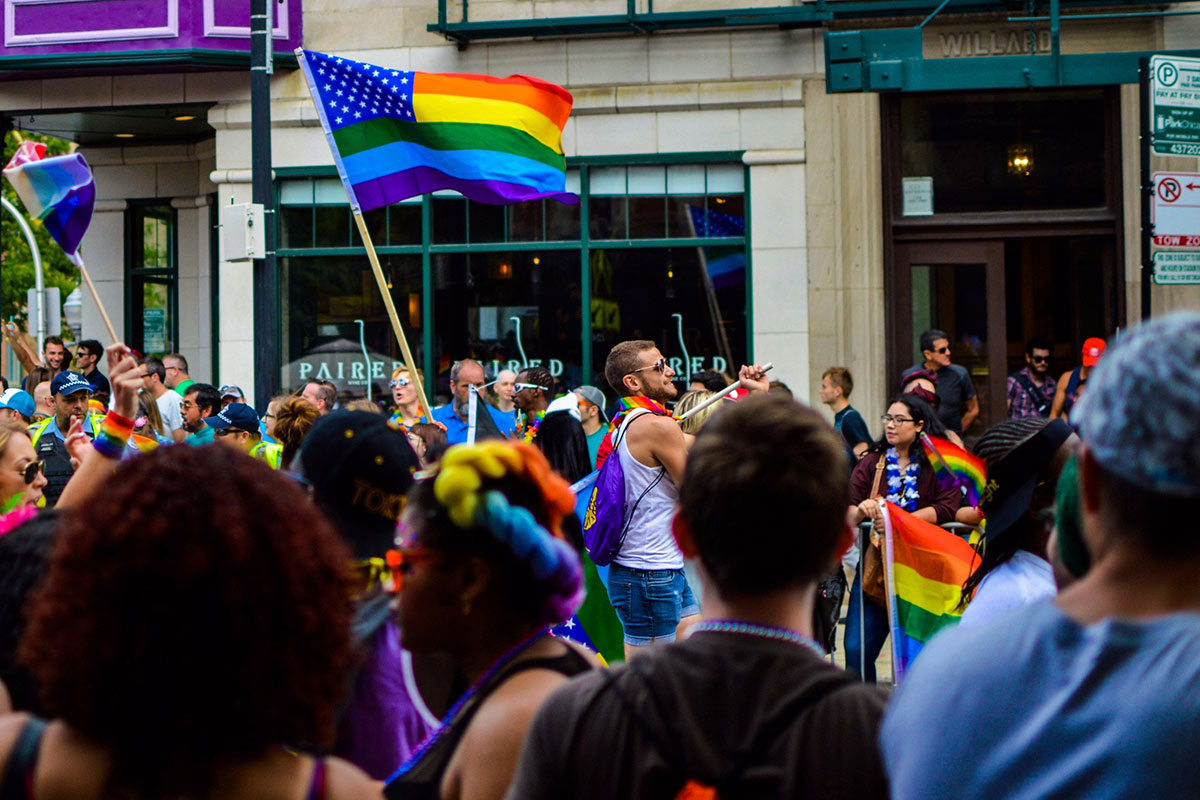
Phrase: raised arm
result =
(125, 377)
(20, 348)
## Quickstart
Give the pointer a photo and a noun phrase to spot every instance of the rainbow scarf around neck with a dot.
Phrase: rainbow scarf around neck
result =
(626, 405)
(954, 467)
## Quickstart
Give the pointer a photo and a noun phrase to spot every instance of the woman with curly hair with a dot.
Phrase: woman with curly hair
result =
(293, 420)
(483, 570)
(187, 643)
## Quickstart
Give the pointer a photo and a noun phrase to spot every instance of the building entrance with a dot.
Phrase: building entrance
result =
(995, 250)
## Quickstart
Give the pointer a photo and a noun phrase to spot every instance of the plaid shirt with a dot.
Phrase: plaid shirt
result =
(1020, 404)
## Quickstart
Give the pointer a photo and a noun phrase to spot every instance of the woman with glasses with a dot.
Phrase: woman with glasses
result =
(404, 393)
(21, 474)
(894, 470)
(482, 571)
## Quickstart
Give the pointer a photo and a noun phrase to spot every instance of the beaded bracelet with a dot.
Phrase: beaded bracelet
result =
(113, 436)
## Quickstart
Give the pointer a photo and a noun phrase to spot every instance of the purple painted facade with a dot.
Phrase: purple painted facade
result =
(63, 27)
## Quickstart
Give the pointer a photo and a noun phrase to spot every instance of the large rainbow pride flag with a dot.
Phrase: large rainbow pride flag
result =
(397, 134)
(926, 568)
(59, 191)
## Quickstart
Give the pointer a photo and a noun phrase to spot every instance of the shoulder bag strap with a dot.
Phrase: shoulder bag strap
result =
(879, 465)
(17, 783)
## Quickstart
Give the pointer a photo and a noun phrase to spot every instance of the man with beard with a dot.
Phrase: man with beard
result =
(646, 582)
(531, 396)
(1030, 390)
(199, 401)
(70, 391)
(467, 376)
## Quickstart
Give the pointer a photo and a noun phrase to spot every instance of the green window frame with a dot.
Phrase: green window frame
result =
(619, 181)
(152, 276)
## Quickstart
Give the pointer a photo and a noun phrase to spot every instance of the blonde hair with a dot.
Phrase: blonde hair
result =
(293, 420)
(7, 430)
(690, 400)
(400, 370)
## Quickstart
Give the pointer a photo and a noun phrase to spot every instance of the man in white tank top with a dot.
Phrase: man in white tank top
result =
(646, 582)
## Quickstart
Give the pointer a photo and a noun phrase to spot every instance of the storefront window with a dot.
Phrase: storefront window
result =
(152, 277)
(505, 283)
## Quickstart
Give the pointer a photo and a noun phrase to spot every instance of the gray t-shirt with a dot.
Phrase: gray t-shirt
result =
(1035, 704)
(954, 389)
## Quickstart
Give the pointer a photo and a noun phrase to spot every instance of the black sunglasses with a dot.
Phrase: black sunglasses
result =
(31, 470)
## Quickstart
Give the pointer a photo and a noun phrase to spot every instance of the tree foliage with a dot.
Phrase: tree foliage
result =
(16, 262)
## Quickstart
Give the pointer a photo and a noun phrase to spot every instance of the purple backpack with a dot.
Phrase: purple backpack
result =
(606, 520)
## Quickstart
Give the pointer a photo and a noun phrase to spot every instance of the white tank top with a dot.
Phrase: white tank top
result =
(649, 543)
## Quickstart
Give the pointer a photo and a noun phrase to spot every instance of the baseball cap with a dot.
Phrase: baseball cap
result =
(595, 397)
(360, 469)
(234, 415)
(19, 401)
(1140, 415)
(68, 383)
(1093, 348)
(229, 390)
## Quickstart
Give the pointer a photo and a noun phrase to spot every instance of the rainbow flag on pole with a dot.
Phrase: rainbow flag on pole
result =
(59, 190)
(926, 568)
(397, 134)
(954, 466)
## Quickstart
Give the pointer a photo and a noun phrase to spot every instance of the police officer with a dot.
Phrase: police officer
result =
(236, 425)
(70, 391)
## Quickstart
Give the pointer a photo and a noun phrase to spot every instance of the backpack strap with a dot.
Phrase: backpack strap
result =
(745, 758)
(17, 783)
(1039, 400)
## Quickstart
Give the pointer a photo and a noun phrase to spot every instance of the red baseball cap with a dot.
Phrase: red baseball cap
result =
(1092, 350)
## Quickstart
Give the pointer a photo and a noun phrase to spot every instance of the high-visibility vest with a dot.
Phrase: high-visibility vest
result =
(270, 453)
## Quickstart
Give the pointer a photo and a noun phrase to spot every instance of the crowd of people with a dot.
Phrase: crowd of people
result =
(331, 600)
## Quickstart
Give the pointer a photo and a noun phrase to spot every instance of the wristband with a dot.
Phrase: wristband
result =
(113, 436)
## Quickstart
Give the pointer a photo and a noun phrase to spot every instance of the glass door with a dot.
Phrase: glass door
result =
(957, 287)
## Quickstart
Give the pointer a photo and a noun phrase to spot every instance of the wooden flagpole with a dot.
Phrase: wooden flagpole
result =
(392, 315)
(78, 261)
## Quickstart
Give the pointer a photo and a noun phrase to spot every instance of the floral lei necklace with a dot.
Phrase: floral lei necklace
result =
(530, 429)
(902, 487)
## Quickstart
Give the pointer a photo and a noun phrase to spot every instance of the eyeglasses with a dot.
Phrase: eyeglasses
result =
(401, 561)
(943, 350)
(1039, 359)
(228, 432)
(888, 419)
(520, 387)
(657, 366)
(169, 369)
(188, 404)
(397, 382)
(31, 470)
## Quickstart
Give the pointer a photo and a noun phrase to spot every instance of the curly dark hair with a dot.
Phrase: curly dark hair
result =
(24, 555)
(197, 614)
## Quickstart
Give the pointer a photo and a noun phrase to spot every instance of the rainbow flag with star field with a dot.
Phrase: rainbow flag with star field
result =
(926, 567)
(396, 134)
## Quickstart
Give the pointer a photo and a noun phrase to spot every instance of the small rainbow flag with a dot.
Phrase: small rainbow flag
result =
(58, 190)
(954, 466)
(397, 134)
(926, 569)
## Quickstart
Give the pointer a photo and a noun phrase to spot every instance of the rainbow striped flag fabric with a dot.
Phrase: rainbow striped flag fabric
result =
(926, 567)
(954, 466)
(59, 191)
(397, 134)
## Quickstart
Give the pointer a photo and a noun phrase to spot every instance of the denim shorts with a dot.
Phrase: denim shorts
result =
(650, 602)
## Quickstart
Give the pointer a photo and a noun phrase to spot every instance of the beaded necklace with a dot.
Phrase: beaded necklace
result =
(432, 738)
(761, 631)
(531, 429)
